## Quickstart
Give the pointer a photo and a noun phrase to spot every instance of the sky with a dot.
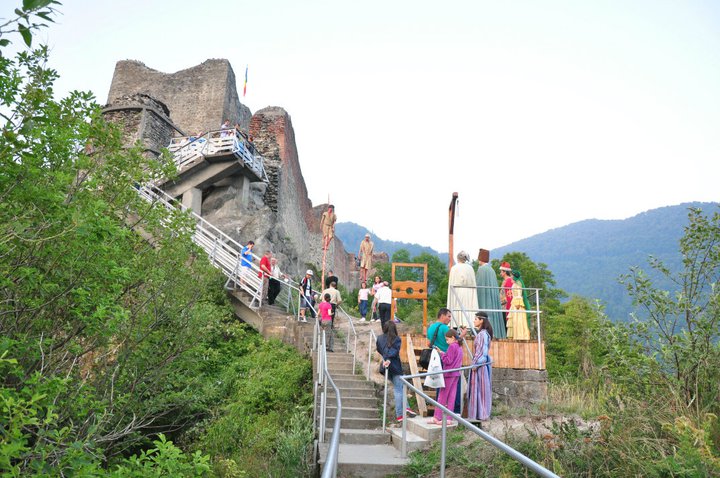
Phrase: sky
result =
(537, 113)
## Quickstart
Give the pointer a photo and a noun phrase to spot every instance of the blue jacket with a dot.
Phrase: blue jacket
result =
(391, 353)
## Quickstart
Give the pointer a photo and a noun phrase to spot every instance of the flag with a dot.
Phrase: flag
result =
(245, 85)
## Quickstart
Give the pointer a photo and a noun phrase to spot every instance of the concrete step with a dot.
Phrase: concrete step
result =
(364, 392)
(342, 368)
(350, 436)
(356, 402)
(420, 427)
(414, 442)
(352, 412)
(367, 461)
(355, 423)
(336, 375)
(342, 384)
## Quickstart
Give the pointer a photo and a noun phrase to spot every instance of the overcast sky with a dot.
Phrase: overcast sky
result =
(538, 113)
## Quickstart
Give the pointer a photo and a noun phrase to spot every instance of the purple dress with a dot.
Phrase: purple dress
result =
(450, 359)
(480, 386)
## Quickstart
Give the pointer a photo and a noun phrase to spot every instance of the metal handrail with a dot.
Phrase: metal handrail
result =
(354, 334)
(217, 244)
(331, 460)
(214, 142)
(514, 454)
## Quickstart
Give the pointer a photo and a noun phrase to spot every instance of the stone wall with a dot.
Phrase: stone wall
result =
(298, 223)
(199, 98)
(519, 387)
(141, 118)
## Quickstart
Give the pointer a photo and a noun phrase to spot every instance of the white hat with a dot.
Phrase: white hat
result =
(309, 272)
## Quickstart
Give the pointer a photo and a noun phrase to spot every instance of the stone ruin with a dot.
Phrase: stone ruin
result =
(152, 106)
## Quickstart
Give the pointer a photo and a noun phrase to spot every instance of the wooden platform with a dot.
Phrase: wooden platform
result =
(505, 353)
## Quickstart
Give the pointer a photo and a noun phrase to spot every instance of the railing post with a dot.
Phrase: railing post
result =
(354, 353)
(403, 441)
(443, 445)
(539, 337)
(385, 401)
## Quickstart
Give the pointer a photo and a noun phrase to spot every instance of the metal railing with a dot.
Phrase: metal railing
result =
(466, 314)
(222, 250)
(514, 454)
(188, 149)
(324, 378)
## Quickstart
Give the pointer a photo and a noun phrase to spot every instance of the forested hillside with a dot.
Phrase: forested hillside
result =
(351, 234)
(588, 257)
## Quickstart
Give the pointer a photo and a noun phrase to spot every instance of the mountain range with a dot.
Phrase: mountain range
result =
(587, 257)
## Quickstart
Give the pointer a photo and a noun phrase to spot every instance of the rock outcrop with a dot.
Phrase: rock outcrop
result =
(278, 213)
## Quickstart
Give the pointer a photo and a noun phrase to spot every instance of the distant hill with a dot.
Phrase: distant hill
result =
(351, 234)
(588, 257)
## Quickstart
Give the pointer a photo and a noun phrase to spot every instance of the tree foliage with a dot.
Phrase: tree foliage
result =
(114, 327)
(681, 331)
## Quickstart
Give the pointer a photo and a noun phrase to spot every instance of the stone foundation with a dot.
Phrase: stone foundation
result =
(519, 387)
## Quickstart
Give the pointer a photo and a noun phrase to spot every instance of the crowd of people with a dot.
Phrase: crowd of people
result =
(500, 311)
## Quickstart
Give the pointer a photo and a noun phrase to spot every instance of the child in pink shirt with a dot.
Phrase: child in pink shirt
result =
(325, 309)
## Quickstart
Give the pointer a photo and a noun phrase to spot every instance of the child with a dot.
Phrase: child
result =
(325, 309)
(363, 295)
(450, 360)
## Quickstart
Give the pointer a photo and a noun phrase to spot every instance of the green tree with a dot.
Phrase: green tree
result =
(573, 338)
(680, 330)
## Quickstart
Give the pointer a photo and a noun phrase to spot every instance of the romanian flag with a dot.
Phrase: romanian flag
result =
(245, 85)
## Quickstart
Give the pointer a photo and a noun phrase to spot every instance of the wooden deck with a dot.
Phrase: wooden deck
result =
(505, 353)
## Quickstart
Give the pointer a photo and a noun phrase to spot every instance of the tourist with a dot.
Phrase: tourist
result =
(331, 278)
(487, 294)
(444, 316)
(246, 260)
(325, 310)
(363, 295)
(376, 286)
(306, 295)
(480, 381)
(335, 299)
(388, 345)
(275, 276)
(226, 129)
(327, 225)
(462, 295)
(264, 274)
(384, 298)
(506, 291)
(365, 256)
(450, 360)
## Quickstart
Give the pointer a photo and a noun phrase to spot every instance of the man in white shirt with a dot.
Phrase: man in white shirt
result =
(384, 298)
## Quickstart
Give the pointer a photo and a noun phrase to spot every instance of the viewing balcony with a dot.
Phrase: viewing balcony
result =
(227, 145)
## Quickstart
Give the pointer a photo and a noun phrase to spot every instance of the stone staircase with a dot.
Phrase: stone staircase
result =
(365, 450)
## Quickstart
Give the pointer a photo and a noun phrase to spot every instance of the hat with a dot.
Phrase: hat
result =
(484, 255)
(505, 266)
(482, 314)
(309, 272)
(367, 234)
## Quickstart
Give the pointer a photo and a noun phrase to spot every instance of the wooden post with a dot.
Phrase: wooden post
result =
(451, 228)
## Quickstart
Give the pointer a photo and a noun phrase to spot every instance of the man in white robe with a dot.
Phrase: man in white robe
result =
(462, 295)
